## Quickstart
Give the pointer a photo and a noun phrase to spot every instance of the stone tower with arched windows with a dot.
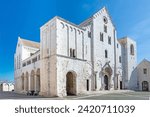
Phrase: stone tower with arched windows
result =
(129, 56)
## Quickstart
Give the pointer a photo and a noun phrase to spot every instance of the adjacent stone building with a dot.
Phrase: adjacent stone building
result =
(4, 86)
(74, 59)
(143, 75)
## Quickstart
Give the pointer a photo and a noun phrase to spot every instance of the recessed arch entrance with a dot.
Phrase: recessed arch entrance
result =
(71, 83)
(107, 78)
(145, 86)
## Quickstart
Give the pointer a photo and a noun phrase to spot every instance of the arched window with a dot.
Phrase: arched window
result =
(119, 59)
(101, 37)
(105, 28)
(106, 54)
(62, 24)
(131, 49)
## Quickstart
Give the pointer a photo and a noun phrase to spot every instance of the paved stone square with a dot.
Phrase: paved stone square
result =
(103, 95)
(13, 95)
(118, 96)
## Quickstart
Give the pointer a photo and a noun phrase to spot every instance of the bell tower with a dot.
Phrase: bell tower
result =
(129, 59)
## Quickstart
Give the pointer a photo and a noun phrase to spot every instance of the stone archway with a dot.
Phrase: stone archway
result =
(145, 86)
(107, 78)
(71, 83)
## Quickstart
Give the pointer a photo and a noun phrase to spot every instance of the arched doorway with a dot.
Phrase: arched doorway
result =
(106, 82)
(145, 86)
(107, 77)
(71, 83)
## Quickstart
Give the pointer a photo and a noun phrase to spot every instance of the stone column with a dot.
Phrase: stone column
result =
(101, 81)
(29, 83)
(112, 83)
(35, 82)
(25, 80)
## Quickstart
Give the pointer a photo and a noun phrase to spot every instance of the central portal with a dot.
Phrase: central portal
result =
(106, 82)
(71, 83)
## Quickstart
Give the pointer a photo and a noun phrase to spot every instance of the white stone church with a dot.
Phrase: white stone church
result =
(74, 59)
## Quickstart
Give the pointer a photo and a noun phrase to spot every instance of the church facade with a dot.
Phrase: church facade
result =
(74, 59)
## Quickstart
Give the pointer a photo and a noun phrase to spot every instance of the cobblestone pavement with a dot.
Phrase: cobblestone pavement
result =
(96, 95)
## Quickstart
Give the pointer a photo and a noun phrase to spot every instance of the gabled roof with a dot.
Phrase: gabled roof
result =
(29, 43)
(104, 9)
(96, 14)
(143, 61)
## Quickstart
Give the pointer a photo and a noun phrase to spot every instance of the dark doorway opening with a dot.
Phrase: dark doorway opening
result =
(70, 84)
(106, 82)
(87, 85)
(121, 85)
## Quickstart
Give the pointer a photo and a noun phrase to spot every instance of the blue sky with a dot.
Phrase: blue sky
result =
(24, 17)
